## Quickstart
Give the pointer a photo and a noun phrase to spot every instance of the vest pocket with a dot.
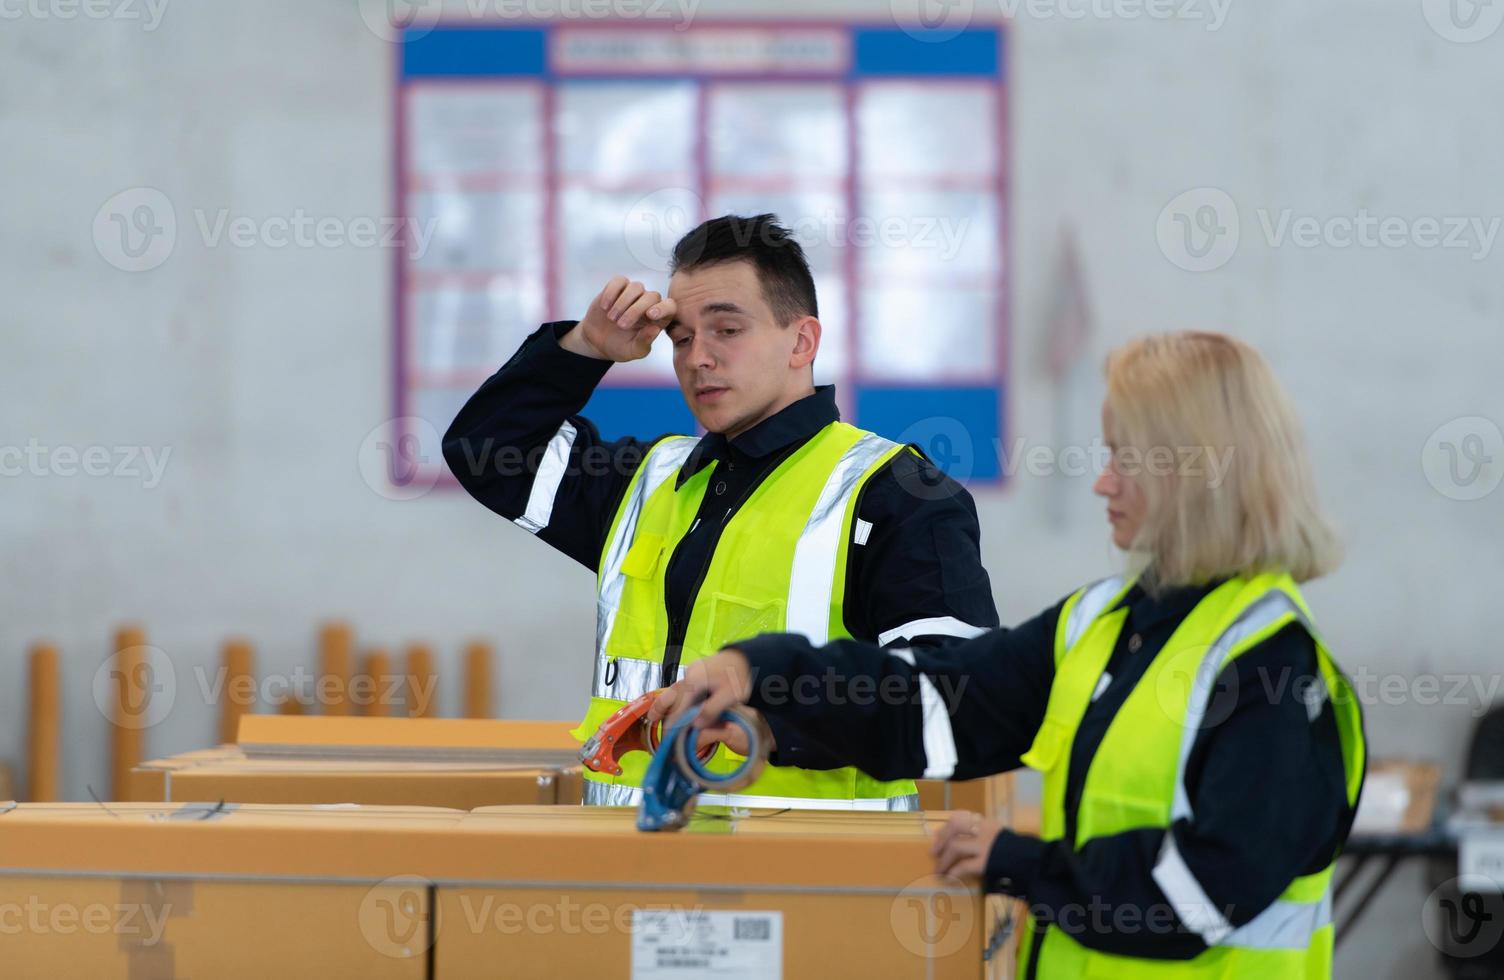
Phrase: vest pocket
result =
(733, 618)
(637, 617)
(642, 558)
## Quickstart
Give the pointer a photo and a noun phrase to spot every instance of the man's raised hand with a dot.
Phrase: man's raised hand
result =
(622, 322)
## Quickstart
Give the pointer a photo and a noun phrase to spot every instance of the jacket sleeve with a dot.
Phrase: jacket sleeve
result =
(916, 575)
(959, 711)
(915, 578)
(520, 446)
(1268, 804)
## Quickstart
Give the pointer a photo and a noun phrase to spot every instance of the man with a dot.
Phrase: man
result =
(780, 518)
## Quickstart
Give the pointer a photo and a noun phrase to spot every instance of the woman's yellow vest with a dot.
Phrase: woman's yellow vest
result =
(1137, 778)
(780, 565)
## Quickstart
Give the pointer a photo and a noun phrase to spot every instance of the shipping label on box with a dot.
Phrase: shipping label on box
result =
(730, 945)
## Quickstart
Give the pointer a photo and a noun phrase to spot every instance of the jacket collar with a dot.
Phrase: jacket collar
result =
(792, 424)
(1175, 602)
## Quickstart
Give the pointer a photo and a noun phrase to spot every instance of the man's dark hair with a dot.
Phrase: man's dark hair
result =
(773, 252)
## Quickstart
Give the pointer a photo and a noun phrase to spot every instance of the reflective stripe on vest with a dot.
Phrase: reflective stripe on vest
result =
(662, 462)
(1265, 612)
(1284, 924)
(812, 581)
(1095, 599)
(626, 678)
(609, 794)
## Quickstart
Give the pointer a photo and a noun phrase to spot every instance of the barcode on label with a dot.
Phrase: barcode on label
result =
(695, 944)
(757, 930)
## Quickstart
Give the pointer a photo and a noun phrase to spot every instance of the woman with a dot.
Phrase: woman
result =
(1202, 754)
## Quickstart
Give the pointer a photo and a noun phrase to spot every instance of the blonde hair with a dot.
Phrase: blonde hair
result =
(1240, 499)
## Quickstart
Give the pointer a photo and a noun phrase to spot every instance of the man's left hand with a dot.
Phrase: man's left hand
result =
(962, 845)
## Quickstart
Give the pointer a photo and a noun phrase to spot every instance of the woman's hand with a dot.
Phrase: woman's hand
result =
(720, 682)
(962, 845)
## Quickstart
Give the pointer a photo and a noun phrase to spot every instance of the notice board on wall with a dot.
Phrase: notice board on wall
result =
(542, 159)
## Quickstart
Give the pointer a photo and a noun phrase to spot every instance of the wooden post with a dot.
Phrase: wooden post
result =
(376, 667)
(422, 692)
(130, 688)
(239, 690)
(336, 644)
(42, 725)
(478, 679)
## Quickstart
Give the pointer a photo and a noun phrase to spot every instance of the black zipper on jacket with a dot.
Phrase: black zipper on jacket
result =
(678, 626)
(1032, 972)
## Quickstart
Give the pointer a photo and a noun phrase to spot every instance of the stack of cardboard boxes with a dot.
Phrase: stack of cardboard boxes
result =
(440, 849)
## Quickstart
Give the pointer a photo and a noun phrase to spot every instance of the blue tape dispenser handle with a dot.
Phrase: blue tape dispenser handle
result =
(675, 777)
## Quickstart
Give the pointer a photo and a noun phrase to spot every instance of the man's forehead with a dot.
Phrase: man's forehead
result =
(723, 287)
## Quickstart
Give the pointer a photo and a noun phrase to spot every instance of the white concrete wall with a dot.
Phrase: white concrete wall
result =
(262, 370)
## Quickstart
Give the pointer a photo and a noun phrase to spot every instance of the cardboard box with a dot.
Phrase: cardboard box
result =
(515, 891)
(1399, 797)
(148, 781)
(991, 796)
(367, 783)
(809, 893)
(87, 917)
(227, 773)
(522, 742)
(418, 739)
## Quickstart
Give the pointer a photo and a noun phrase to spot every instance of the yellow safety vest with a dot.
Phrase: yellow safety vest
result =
(1137, 778)
(779, 566)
